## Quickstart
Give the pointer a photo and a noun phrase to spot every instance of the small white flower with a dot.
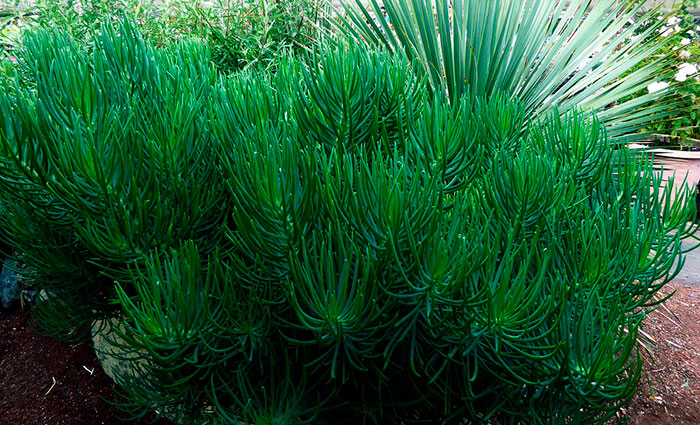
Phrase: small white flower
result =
(684, 54)
(688, 68)
(677, 28)
(685, 42)
(666, 31)
(657, 86)
(673, 20)
(684, 71)
(691, 32)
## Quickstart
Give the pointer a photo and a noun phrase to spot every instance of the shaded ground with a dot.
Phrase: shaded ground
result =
(669, 392)
(46, 382)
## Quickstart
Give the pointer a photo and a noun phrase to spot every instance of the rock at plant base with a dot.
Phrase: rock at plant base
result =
(121, 364)
(115, 361)
(9, 284)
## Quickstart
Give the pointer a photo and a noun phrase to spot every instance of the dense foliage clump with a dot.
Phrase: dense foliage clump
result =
(329, 244)
(240, 34)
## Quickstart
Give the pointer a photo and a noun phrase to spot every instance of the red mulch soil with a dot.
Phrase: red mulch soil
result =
(669, 393)
(29, 366)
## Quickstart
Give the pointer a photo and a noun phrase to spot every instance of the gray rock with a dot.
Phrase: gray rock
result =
(116, 362)
(9, 284)
(123, 365)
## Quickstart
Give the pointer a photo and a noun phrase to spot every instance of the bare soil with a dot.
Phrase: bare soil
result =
(46, 382)
(669, 392)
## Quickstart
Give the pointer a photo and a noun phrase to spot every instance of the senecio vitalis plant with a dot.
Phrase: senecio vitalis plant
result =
(330, 244)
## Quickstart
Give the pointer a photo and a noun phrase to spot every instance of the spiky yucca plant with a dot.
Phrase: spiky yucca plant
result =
(286, 259)
(546, 53)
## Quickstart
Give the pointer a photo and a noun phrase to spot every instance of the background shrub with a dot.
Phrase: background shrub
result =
(240, 34)
(683, 47)
(244, 34)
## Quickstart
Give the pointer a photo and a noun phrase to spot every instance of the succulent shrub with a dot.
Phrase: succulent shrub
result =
(106, 156)
(337, 107)
(412, 285)
(275, 254)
